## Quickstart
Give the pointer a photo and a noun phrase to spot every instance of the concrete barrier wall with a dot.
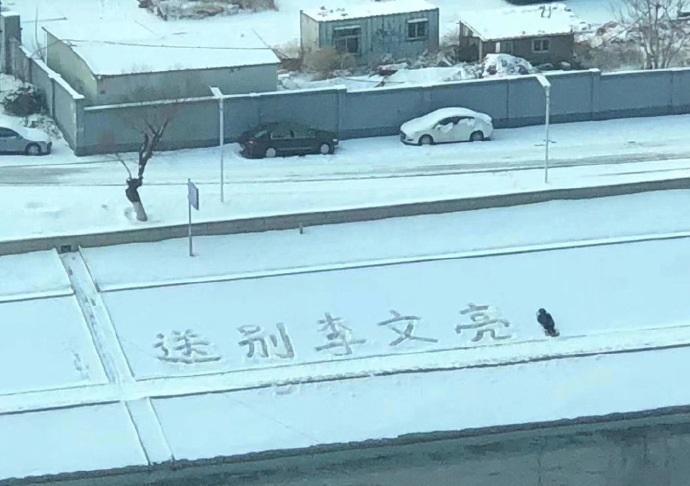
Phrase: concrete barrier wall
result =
(638, 93)
(487, 96)
(293, 221)
(680, 90)
(21, 61)
(582, 102)
(118, 128)
(364, 115)
(63, 103)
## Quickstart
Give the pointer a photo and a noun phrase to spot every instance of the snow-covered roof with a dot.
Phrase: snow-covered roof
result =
(517, 22)
(114, 48)
(373, 9)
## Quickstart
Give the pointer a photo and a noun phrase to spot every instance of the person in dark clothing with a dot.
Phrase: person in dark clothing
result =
(132, 191)
(546, 321)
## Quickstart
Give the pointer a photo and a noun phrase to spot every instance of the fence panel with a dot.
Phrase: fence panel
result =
(638, 93)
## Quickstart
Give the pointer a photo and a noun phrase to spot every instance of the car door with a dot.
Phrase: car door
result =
(282, 139)
(304, 140)
(463, 129)
(442, 130)
(9, 140)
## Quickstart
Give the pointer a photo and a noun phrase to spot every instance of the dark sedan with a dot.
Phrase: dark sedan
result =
(286, 139)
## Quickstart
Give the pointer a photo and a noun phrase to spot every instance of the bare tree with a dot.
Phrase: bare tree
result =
(657, 29)
(152, 134)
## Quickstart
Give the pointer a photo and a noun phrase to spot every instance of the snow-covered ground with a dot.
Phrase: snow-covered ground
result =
(51, 443)
(63, 194)
(292, 293)
(306, 415)
(493, 231)
(38, 274)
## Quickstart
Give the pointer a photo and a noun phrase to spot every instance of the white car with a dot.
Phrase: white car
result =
(20, 140)
(447, 125)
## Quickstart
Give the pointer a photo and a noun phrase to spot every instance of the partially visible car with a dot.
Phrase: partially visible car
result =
(447, 125)
(286, 138)
(20, 140)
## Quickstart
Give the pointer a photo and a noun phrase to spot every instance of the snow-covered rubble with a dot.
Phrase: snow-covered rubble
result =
(500, 65)
(493, 65)
(198, 9)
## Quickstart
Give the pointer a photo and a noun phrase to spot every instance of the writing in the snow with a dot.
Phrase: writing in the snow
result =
(404, 326)
(483, 321)
(477, 324)
(338, 336)
(185, 347)
(267, 344)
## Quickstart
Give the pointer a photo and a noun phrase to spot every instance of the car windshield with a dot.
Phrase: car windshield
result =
(6, 132)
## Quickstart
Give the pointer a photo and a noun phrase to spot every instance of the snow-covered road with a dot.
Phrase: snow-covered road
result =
(572, 144)
(64, 194)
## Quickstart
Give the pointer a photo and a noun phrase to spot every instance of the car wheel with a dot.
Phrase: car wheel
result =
(477, 136)
(270, 152)
(33, 149)
(426, 140)
(325, 148)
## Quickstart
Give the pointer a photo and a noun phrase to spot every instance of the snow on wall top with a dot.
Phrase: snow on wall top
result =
(111, 48)
(517, 22)
(373, 9)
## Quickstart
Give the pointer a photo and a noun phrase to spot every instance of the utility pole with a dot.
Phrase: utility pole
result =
(546, 84)
(221, 138)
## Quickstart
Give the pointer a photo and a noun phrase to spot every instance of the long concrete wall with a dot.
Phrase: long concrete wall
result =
(512, 102)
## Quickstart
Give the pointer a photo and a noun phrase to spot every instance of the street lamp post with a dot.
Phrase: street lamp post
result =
(221, 138)
(546, 84)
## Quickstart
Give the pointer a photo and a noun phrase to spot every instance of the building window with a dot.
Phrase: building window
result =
(417, 29)
(540, 45)
(347, 39)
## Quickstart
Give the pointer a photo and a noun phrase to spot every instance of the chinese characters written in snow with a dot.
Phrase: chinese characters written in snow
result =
(478, 323)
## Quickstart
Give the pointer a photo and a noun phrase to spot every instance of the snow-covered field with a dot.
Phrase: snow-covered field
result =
(273, 306)
(63, 194)
(38, 274)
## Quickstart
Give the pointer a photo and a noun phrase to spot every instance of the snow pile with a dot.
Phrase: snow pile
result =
(397, 78)
(500, 65)
(42, 121)
(431, 75)
(610, 32)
